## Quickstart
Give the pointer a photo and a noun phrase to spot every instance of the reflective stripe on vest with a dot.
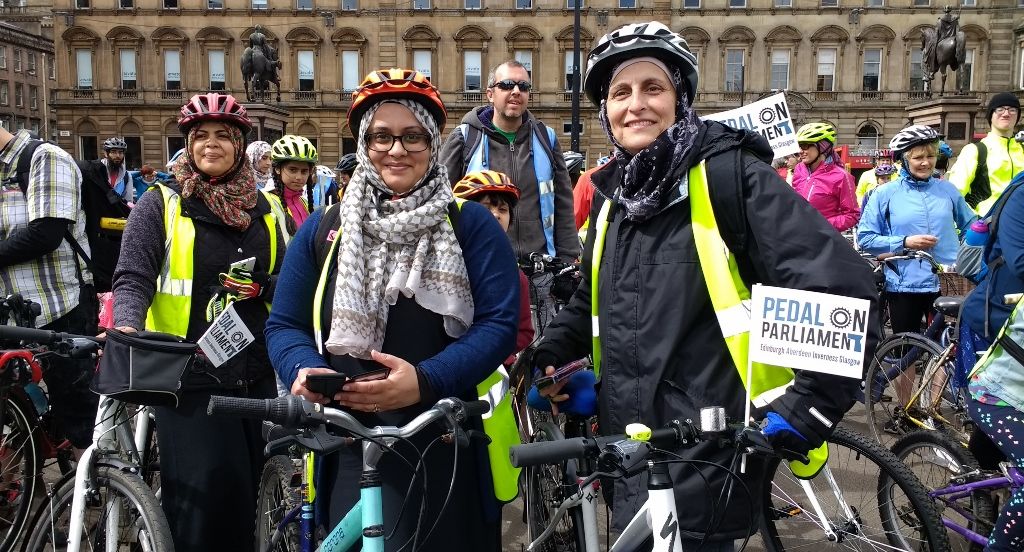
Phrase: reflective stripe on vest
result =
(730, 298)
(172, 303)
(277, 208)
(499, 423)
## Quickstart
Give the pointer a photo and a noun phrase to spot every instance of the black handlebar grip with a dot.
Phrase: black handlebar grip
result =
(32, 335)
(547, 452)
(476, 408)
(238, 407)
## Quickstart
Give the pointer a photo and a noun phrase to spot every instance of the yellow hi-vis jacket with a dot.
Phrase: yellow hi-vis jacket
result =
(730, 298)
(499, 423)
(172, 302)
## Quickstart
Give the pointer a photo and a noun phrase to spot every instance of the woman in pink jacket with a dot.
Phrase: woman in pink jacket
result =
(820, 178)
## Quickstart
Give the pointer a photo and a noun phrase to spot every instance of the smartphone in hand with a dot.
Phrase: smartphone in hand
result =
(329, 384)
(562, 373)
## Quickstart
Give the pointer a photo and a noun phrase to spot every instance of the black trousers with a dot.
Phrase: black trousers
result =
(67, 380)
(906, 310)
(210, 469)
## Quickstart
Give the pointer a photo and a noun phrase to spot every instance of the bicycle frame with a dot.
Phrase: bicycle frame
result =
(110, 434)
(1012, 478)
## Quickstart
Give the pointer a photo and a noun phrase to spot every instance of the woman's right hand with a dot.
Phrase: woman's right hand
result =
(553, 393)
(920, 242)
(299, 385)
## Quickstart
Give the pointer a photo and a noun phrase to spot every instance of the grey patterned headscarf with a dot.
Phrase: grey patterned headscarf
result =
(391, 245)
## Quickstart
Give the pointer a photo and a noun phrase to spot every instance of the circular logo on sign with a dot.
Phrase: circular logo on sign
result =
(237, 337)
(840, 317)
(767, 115)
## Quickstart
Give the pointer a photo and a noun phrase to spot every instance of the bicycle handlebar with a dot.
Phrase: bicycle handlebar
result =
(552, 452)
(75, 346)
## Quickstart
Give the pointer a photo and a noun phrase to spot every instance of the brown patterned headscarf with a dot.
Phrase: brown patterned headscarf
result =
(229, 196)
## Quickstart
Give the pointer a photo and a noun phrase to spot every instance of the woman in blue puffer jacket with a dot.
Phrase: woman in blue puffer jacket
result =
(916, 211)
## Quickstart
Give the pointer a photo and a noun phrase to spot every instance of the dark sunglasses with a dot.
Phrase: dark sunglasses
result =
(509, 84)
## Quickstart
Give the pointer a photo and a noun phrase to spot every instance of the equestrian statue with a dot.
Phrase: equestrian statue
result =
(259, 66)
(943, 47)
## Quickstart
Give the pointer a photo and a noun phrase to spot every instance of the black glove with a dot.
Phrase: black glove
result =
(542, 359)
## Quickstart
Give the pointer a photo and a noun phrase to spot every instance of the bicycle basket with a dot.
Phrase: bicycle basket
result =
(951, 283)
(144, 368)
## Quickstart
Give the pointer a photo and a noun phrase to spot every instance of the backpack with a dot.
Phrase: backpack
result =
(472, 136)
(981, 188)
(972, 260)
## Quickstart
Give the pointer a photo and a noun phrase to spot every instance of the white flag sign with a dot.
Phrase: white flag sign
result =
(768, 117)
(226, 337)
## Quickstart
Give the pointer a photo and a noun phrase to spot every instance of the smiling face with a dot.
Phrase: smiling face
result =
(400, 169)
(641, 105)
(809, 154)
(1004, 119)
(921, 161)
(212, 149)
(509, 105)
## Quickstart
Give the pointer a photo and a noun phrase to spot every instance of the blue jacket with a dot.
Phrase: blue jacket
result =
(1008, 278)
(141, 185)
(493, 278)
(908, 207)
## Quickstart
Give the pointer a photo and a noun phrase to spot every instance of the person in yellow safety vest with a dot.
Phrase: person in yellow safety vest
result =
(660, 306)
(401, 276)
(186, 236)
(984, 169)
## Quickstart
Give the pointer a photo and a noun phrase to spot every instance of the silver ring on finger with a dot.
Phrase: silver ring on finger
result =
(376, 408)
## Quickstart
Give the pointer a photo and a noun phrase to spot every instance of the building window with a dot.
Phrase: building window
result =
(216, 61)
(83, 67)
(174, 143)
(737, 3)
(922, 3)
(33, 97)
(830, 3)
(691, 4)
(306, 61)
(780, 70)
(627, 4)
(350, 74)
(3, 57)
(783, 3)
(872, 70)
(31, 63)
(128, 75)
(170, 4)
(82, 4)
(967, 70)
(733, 70)
(567, 128)
(876, 3)
(528, 4)
(569, 71)
(214, 4)
(259, 4)
(474, 4)
(956, 131)
(471, 60)
(19, 95)
(526, 58)
(969, 3)
(89, 147)
(126, 4)
(349, 5)
(421, 4)
(826, 70)
(17, 60)
(867, 138)
(51, 67)
(916, 70)
(34, 126)
(5, 91)
(304, 5)
(571, 4)
(172, 70)
(53, 96)
(421, 61)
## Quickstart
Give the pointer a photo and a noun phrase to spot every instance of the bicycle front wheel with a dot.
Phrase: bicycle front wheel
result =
(546, 487)
(279, 494)
(20, 466)
(121, 514)
(937, 459)
(870, 501)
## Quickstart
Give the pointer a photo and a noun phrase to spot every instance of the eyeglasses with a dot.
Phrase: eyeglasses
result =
(383, 142)
(1006, 110)
(509, 84)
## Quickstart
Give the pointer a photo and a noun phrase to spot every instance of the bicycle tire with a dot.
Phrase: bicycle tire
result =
(18, 477)
(279, 494)
(886, 417)
(143, 526)
(546, 487)
(935, 458)
(879, 520)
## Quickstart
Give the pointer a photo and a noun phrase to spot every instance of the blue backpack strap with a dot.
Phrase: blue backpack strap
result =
(543, 168)
(475, 154)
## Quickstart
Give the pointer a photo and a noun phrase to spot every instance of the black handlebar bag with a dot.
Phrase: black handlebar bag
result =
(143, 368)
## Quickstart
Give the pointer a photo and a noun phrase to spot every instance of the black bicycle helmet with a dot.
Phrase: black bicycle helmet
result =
(637, 40)
(347, 163)
(573, 161)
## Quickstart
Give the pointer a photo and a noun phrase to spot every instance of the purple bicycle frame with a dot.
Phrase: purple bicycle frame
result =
(949, 495)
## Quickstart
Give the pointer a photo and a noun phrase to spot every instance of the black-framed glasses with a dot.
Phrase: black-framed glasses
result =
(383, 141)
(509, 84)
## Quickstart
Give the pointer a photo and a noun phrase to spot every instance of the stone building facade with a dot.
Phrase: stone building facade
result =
(125, 66)
(27, 73)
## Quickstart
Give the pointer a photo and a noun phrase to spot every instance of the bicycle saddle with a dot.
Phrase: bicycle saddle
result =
(949, 306)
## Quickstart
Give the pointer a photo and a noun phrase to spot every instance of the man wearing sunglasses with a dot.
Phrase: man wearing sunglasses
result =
(505, 137)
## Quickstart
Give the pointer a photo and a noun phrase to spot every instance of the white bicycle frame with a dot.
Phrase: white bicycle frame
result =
(110, 433)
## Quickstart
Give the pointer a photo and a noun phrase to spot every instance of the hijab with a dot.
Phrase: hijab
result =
(229, 196)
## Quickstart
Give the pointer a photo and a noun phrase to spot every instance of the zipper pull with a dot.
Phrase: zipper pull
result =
(511, 147)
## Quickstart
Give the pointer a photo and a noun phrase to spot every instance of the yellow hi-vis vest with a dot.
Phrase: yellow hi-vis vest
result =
(172, 302)
(729, 296)
(499, 423)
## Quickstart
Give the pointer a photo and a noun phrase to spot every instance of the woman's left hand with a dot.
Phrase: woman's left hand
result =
(400, 389)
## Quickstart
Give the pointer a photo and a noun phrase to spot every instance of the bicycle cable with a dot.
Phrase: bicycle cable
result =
(408, 493)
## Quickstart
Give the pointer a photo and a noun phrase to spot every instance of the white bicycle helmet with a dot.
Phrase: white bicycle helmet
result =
(911, 136)
(324, 171)
(114, 143)
(637, 40)
(573, 161)
(1020, 136)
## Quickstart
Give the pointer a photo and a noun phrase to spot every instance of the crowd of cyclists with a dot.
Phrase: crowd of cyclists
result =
(398, 268)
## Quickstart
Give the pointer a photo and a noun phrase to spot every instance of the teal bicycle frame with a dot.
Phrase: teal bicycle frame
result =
(366, 518)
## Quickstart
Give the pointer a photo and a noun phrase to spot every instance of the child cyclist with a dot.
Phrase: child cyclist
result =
(495, 191)
(293, 165)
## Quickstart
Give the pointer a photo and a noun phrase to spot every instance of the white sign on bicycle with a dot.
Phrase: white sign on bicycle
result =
(807, 330)
(226, 337)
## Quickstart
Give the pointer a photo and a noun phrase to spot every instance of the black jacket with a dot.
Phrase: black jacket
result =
(100, 200)
(663, 354)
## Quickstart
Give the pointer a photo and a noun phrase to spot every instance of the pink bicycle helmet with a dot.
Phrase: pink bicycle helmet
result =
(213, 107)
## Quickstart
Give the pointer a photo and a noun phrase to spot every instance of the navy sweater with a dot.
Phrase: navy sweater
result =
(493, 278)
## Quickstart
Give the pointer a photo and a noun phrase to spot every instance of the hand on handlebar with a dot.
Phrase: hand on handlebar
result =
(787, 441)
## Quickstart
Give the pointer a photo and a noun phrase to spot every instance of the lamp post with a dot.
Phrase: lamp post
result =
(575, 140)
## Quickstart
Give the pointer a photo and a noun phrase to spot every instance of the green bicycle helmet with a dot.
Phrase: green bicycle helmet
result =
(812, 133)
(293, 148)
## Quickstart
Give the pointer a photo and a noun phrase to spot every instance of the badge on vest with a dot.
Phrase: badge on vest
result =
(226, 337)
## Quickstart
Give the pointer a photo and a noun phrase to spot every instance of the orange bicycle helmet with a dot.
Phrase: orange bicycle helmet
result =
(487, 182)
(213, 107)
(389, 84)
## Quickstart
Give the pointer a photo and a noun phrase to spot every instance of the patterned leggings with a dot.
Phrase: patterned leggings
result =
(1005, 426)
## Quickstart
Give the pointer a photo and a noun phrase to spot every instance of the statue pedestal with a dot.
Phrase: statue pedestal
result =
(269, 122)
(952, 116)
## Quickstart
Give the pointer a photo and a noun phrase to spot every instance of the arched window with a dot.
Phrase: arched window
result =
(867, 137)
